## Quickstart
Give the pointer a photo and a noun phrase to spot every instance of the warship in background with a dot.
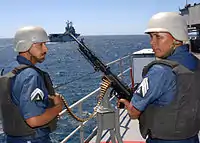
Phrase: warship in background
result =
(64, 37)
(191, 14)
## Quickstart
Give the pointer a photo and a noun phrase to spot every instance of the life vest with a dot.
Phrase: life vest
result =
(180, 119)
(13, 122)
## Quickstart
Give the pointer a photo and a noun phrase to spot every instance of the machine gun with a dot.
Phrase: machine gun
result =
(120, 89)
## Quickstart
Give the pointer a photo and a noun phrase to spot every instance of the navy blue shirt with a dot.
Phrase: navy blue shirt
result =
(25, 86)
(158, 86)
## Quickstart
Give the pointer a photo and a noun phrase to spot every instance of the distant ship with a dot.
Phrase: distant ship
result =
(64, 37)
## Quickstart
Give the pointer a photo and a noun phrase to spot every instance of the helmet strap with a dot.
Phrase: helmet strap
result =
(31, 55)
(171, 50)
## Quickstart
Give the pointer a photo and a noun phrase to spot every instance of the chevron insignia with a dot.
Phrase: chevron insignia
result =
(37, 95)
(143, 87)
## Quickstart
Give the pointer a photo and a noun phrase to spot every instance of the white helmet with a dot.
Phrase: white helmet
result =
(26, 36)
(170, 22)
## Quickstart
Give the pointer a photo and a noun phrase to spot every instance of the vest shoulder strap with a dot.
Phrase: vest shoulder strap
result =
(23, 66)
(169, 63)
(44, 75)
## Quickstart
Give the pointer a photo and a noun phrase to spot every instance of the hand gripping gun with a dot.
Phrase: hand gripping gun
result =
(120, 89)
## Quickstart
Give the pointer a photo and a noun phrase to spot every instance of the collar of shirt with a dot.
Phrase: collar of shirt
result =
(182, 56)
(23, 60)
(183, 48)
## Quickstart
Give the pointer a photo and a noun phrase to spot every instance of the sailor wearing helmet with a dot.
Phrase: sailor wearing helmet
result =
(31, 114)
(167, 102)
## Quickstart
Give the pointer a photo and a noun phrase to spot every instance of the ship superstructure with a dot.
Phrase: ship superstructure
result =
(64, 37)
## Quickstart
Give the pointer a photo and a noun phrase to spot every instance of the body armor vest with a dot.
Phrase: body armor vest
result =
(13, 123)
(180, 119)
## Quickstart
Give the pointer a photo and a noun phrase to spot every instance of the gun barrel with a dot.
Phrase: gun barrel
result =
(76, 39)
(117, 85)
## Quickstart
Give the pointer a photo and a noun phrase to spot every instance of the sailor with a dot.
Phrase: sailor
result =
(167, 101)
(30, 116)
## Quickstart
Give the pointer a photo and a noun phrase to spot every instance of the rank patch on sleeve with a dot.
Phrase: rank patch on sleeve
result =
(37, 95)
(143, 87)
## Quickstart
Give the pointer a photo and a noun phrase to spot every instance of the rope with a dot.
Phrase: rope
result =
(103, 88)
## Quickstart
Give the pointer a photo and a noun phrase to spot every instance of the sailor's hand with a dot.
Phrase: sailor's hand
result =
(57, 99)
(124, 101)
(132, 111)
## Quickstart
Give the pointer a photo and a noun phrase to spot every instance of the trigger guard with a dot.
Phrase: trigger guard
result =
(113, 93)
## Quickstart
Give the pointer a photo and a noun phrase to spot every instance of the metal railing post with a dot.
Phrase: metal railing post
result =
(81, 124)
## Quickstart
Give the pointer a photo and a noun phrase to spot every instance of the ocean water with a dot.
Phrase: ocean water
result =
(74, 75)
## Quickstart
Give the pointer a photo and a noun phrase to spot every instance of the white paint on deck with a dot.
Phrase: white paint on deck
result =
(129, 130)
(197, 55)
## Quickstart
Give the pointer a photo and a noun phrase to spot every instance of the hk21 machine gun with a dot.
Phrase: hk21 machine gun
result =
(121, 90)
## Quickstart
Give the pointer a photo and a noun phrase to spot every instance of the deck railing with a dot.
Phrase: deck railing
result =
(80, 102)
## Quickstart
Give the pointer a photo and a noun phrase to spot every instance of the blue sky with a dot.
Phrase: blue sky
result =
(90, 17)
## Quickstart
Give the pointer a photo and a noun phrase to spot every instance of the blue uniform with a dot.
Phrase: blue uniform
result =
(25, 86)
(159, 86)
